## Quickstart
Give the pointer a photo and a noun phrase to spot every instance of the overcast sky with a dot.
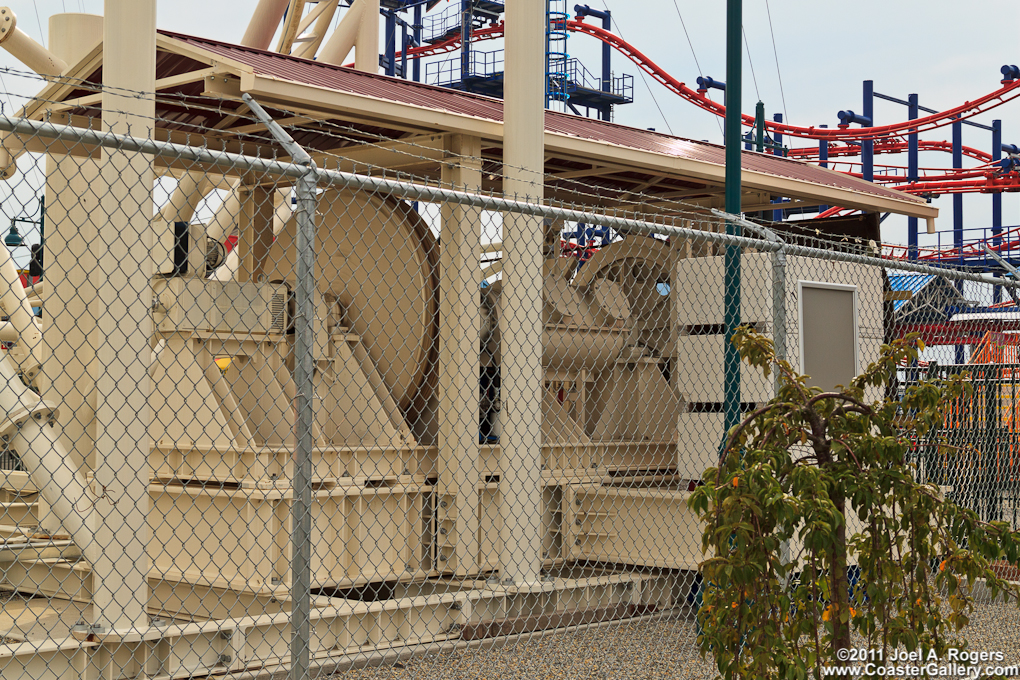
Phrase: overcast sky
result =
(946, 52)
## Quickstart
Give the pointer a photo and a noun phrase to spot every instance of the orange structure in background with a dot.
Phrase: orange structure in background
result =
(997, 348)
(1002, 349)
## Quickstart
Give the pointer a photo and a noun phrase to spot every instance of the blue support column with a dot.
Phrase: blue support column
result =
(913, 111)
(581, 11)
(823, 162)
(958, 198)
(391, 42)
(416, 69)
(868, 146)
(405, 43)
(778, 137)
(996, 201)
(958, 210)
(777, 215)
(465, 44)
(759, 127)
(607, 70)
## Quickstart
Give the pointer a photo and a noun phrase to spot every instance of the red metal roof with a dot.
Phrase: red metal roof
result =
(338, 78)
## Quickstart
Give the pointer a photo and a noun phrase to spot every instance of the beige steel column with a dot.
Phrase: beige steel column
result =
(256, 231)
(459, 327)
(520, 322)
(366, 50)
(124, 321)
(69, 336)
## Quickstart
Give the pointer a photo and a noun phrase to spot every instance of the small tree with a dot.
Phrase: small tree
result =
(789, 474)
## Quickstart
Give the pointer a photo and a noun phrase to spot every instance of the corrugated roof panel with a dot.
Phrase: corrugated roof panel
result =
(338, 78)
(912, 283)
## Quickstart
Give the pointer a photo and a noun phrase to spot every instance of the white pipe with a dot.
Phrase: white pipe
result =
(8, 164)
(8, 332)
(27, 51)
(12, 295)
(226, 216)
(492, 270)
(158, 349)
(189, 192)
(228, 270)
(49, 466)
(283, 211)
(36, 291)
(264, 22)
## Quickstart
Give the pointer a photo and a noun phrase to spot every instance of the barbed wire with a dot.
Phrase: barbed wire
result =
(627, 203)
(639, 201)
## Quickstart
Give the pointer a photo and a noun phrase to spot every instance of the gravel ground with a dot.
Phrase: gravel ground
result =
(660, 649)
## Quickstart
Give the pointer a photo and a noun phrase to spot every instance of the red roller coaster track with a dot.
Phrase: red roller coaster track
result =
(889, 146)
(887, 138)
(1009, 90)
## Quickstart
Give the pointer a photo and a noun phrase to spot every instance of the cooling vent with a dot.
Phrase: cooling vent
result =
(278, 312)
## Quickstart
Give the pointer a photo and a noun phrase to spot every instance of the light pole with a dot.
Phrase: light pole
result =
(13, 239)
(731, 295)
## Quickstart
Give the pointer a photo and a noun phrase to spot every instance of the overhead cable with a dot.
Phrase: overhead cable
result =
(782, 93)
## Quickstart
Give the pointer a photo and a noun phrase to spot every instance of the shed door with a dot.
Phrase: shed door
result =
(828, 333)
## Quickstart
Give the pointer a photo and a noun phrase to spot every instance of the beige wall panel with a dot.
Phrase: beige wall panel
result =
(700, 378)
(348, 410)
(490, 524)
(641, 527)
(242, 536)
(558, 425)
(254, 384)
(698, 290)
(698, 443)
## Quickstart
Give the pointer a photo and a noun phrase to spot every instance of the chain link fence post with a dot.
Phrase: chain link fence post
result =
(304, 318)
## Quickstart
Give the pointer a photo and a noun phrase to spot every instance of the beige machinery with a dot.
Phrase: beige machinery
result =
(401, 499)
(603, 358)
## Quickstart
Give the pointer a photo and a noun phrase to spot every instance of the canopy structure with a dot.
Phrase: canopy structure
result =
(374, 122)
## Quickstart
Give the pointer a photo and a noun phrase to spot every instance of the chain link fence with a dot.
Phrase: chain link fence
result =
(265, 411)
